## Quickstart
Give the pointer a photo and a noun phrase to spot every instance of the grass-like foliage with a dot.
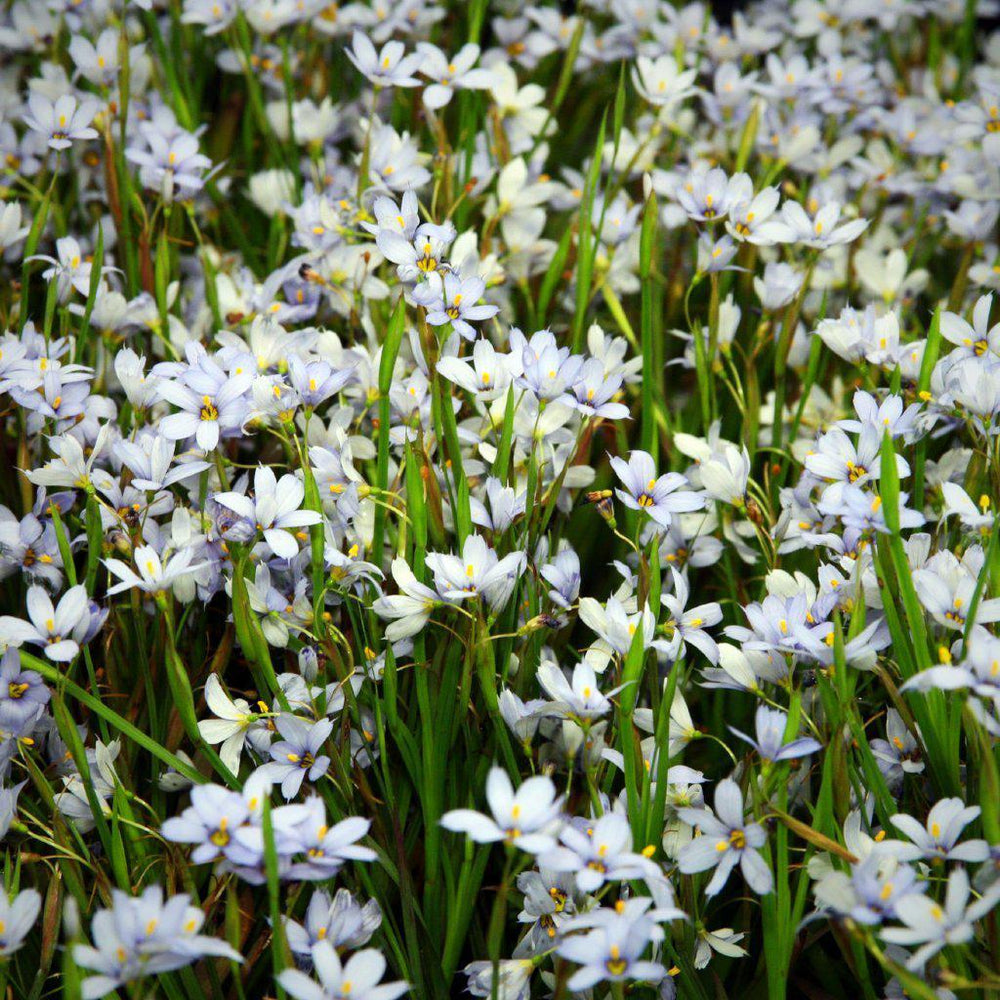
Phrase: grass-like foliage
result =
(500, 499)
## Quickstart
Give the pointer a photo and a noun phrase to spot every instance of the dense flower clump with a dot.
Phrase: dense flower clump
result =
(499, 498)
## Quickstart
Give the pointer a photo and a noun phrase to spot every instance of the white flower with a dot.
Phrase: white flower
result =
(977, 339)
(478, 571)
(599, 851)
(613, 950)
(527, 819)
(63, 120)
(724, 941)
(957, 501)
(140, 388)
(233, 719)
(149, 460)
(514, 978)
(270, 190)
(519, 201)
(17, 916)
(11, 230)
(582, 699)
(274, 508)
(359, 977)
(60, 629)
(660, 82)
(725, 472)
(449, 75)
(409, 610)
(822, 230)
(390, 67)
(938, 838)
(98, 61)
(521, 108)
(153, 576)
(885, 274)
(485, 374)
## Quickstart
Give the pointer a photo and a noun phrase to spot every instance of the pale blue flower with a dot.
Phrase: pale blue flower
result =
(937, 839)
(612, 951)
(724, 842)
(934, 926)
(659, 496)
(599, 851)
(450, 298)
(209, 822)
(341, 921)
(771, 724)
(142, 936)
(297, 754)
(23, 693)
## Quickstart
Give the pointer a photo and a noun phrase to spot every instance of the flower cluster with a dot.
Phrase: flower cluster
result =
(499, 497)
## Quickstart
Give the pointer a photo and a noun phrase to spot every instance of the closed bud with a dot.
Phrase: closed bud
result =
(308, 663)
